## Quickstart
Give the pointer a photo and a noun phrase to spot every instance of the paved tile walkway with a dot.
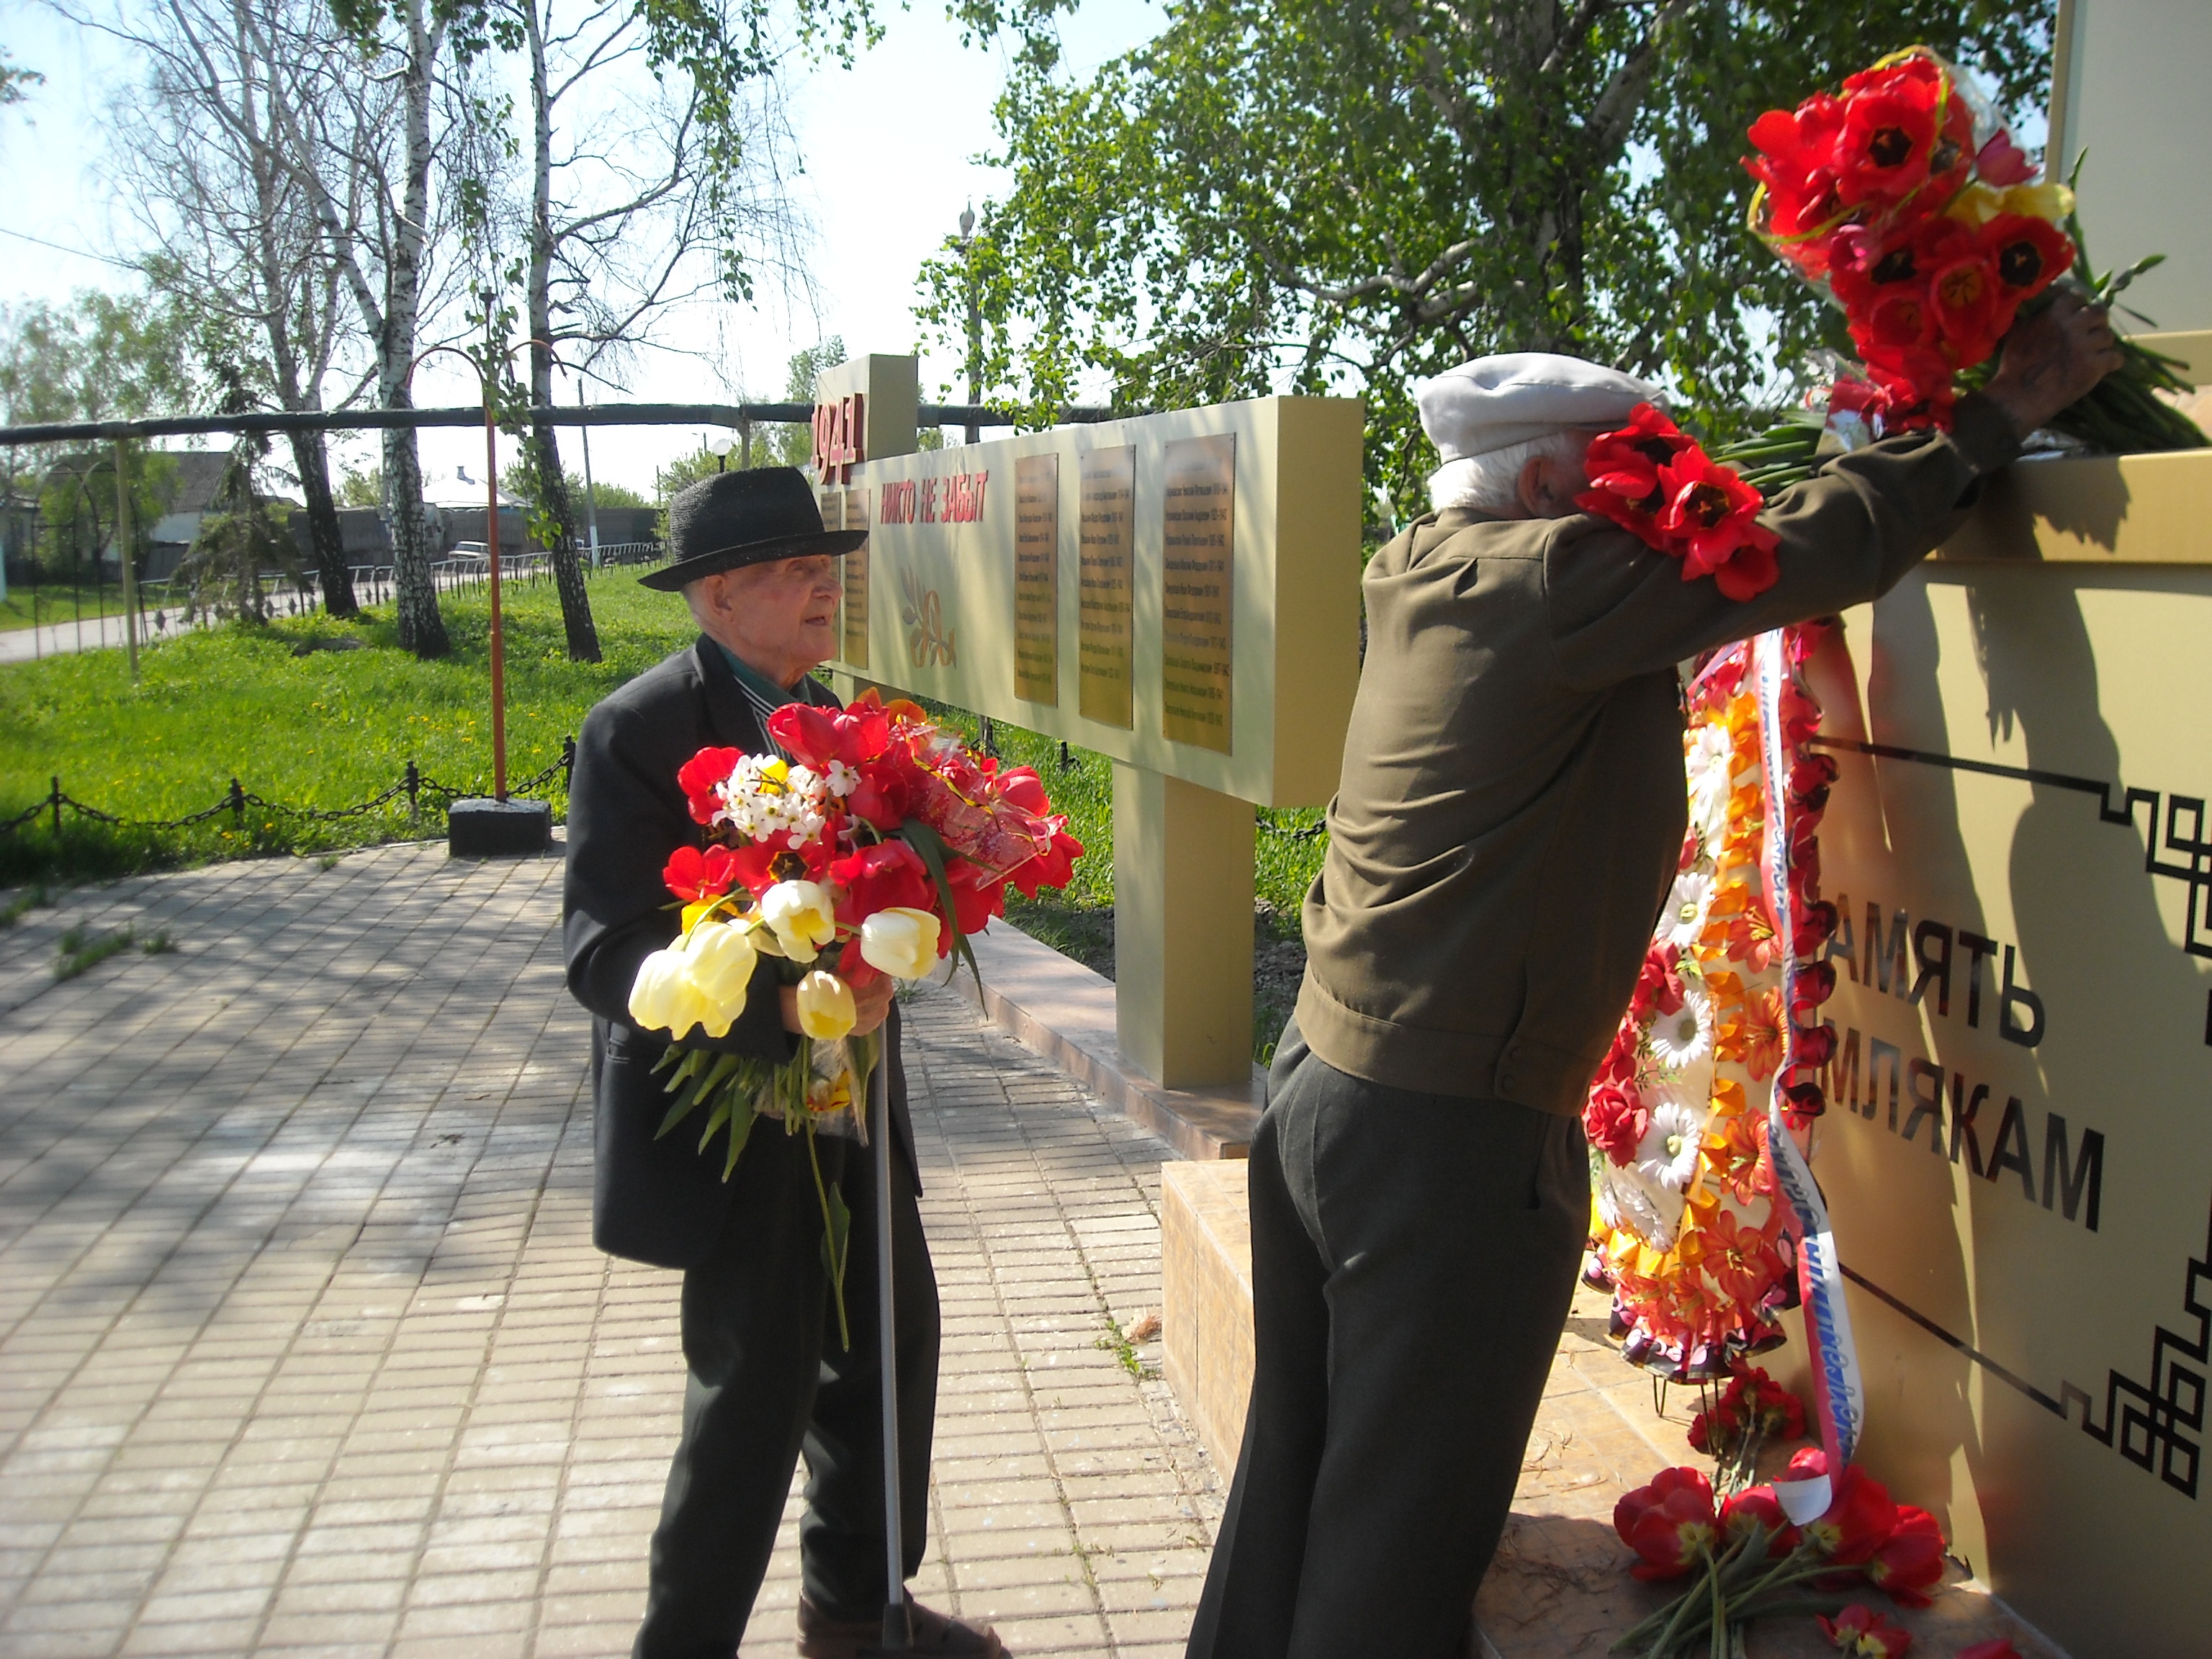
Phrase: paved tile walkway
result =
(304, 1348)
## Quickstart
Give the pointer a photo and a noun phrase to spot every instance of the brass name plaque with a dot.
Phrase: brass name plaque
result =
(1037, 578)
(1103, 629)
(856, 581)
(1198, 507)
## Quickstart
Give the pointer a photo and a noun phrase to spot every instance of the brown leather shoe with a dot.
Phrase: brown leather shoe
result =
(823, 1638)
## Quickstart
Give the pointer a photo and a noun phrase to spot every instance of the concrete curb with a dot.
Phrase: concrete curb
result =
(1059, 1009)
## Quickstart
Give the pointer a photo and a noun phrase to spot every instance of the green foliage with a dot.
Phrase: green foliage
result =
(361, 487)
(14, 79)
(793, 445)
(519, 484)
(100, 357)
(324, 730)
(243, 535)
(1315, 195)
(77, 504)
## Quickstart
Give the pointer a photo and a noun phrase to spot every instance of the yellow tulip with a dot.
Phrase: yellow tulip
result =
(719, 958)
(899, 941)
(2052, 202)
(825, 1006)
(803, 916)
(663, 997)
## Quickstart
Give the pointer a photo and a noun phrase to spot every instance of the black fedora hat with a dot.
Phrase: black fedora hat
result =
(748, 517)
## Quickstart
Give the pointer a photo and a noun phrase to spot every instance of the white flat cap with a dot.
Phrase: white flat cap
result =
(1494, 403)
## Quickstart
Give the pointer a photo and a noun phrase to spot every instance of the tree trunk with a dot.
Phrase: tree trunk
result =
(553, 502)
(422, 629)
(583, 635)
(326, 541)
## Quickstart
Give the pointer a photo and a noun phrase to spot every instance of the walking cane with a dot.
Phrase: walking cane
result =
(898, 1627)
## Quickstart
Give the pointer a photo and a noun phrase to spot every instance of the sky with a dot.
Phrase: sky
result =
(888, 147)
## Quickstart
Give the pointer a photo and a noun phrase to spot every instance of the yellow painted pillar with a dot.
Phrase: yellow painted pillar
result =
(1182, 929)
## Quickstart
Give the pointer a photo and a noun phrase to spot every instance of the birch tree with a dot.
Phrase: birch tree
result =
(203, 159)
(1348, 194)
(642, 194)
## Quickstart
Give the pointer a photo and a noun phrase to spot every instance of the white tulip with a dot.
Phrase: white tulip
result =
(901, 941)
(663, 998)
(803, 915)
(825, 1006)
(718, 959)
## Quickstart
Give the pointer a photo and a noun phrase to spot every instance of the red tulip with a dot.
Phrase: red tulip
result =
(2027, 254)
(883, 877)
(1797, 165)
(1669, 1523)
(975, 897)
(1709, 513)
(698, 777)
(815, 737)
(1054, 867)
(760, 866)
(1861, 1632)
(1910, 1559)
(1623, 468)
(2001, 162)
(1755, 1506)
(1022, 785)
(1860, 1518)
(694, 876)
(1996, 1648)
(1891, 123)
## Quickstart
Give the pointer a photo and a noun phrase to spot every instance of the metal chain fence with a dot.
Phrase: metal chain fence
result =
(419, 788)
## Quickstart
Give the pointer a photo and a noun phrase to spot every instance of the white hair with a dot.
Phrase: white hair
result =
(1491, 482)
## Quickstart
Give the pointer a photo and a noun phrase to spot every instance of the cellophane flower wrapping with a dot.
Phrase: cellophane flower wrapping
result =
(1686, 1229)
(1903, 199)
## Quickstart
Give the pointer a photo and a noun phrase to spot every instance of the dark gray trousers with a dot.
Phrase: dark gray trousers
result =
(1413, 1257)
(768, 1380)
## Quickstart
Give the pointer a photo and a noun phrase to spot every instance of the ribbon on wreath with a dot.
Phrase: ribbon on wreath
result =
(1839, 1394)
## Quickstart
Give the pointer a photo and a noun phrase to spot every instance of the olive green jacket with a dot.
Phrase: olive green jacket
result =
(1510, 810)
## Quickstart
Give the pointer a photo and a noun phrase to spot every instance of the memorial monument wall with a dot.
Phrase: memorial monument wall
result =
(2016, 1152)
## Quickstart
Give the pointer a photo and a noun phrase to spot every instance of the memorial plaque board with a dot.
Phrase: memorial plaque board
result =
(1198, 516)
(1105, 629)
(1037, 578)
(855, 604)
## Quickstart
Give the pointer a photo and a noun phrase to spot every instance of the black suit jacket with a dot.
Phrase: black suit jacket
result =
(661, 1202)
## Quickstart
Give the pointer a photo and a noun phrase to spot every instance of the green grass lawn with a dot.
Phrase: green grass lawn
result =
(327, 729)
(323, 730)
(47, 604)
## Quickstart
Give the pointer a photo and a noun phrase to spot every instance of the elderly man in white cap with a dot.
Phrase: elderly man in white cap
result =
(1508, 817)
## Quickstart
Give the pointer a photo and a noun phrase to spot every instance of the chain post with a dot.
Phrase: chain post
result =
(56, 799)
(236, 801)
(413, 794)
(568, 760)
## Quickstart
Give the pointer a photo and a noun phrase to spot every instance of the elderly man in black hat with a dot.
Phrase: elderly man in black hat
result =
(769, 1377)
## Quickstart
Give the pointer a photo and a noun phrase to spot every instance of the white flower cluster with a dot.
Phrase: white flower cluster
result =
(766, 799)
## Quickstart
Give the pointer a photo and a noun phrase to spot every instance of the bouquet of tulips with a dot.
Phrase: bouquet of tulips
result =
(1793, 1546)
(1903, 199)
(872, 845)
